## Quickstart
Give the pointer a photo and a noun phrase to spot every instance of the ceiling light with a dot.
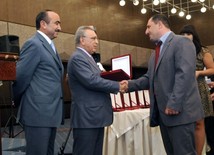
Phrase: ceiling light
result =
(188, 17)
(162, 1)
(181, 13)
(143, 10)
(122, 2)
(135, 2)
(173, 10)
(203, 9)
(169, 7)
(156, 2)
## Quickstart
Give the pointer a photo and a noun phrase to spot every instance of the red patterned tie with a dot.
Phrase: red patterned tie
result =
(157, 52)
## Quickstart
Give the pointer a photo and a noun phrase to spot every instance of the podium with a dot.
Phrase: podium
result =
(7, 71)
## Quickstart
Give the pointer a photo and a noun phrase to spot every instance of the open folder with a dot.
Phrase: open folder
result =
(121, 69)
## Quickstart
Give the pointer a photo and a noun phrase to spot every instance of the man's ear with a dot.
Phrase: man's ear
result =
(160, 24)
(82, 40)
(43, 24)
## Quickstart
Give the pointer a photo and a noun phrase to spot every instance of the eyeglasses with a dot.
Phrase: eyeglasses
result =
(92, 38)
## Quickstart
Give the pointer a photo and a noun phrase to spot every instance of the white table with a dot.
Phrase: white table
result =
(130, 134)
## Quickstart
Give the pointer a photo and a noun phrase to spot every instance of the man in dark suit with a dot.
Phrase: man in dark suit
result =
(175, 102)
(38, 86)
(91, 103)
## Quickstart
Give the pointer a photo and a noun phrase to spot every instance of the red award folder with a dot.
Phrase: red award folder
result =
(121, 69)
(116, 75)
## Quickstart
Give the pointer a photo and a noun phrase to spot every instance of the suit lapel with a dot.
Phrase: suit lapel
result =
(90, 60)
(164, 48)
(49, 49)
(93, 63)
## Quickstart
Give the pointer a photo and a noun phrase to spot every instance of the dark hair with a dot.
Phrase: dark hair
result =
(42, 16)
(190, 29)
(162, 18)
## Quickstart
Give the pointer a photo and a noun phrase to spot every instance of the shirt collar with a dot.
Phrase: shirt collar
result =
(164, 37)
(45, 36)
(84, 51)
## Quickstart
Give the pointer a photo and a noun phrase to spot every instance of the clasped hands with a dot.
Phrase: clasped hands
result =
(123, 86)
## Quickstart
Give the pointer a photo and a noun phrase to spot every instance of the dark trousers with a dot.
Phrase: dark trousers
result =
(209, 128)
(179, 140)
(39, 140)
(88, 141)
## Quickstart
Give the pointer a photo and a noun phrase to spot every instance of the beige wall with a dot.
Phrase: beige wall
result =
(65, 45)
(125, 25)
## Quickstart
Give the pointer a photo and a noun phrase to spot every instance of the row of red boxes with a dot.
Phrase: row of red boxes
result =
(131, 100)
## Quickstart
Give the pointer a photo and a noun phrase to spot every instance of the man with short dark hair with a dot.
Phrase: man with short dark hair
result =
(38, 86)
(174, 97)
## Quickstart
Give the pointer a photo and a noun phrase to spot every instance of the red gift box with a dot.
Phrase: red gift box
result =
(121, 69)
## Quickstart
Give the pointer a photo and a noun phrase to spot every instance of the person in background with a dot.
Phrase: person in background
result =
(204, 67)
(174, 97)
(38, 86)
(209, 122)
(91, 108)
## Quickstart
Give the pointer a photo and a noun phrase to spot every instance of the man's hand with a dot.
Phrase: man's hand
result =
(211, 84)
(123, 86)
(212, 96)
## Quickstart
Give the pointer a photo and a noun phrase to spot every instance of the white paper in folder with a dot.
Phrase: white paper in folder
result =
(122, 62)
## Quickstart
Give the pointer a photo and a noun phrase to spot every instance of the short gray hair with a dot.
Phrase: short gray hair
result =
(81, 33)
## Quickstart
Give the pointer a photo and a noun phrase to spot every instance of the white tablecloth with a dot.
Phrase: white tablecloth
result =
(130, 134)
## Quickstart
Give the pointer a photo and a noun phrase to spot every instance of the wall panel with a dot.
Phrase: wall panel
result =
(3, 28)
(124, 25)
(4, 10)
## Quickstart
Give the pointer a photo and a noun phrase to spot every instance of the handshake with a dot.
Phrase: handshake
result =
(123, 86)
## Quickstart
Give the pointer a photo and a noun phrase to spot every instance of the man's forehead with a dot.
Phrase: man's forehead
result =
(149, 22)
(89, 31)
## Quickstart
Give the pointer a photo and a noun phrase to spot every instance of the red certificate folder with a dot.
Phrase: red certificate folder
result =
(121, 69)
(116, 75)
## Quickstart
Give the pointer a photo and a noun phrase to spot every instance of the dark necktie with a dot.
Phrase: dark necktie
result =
(157, 52)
